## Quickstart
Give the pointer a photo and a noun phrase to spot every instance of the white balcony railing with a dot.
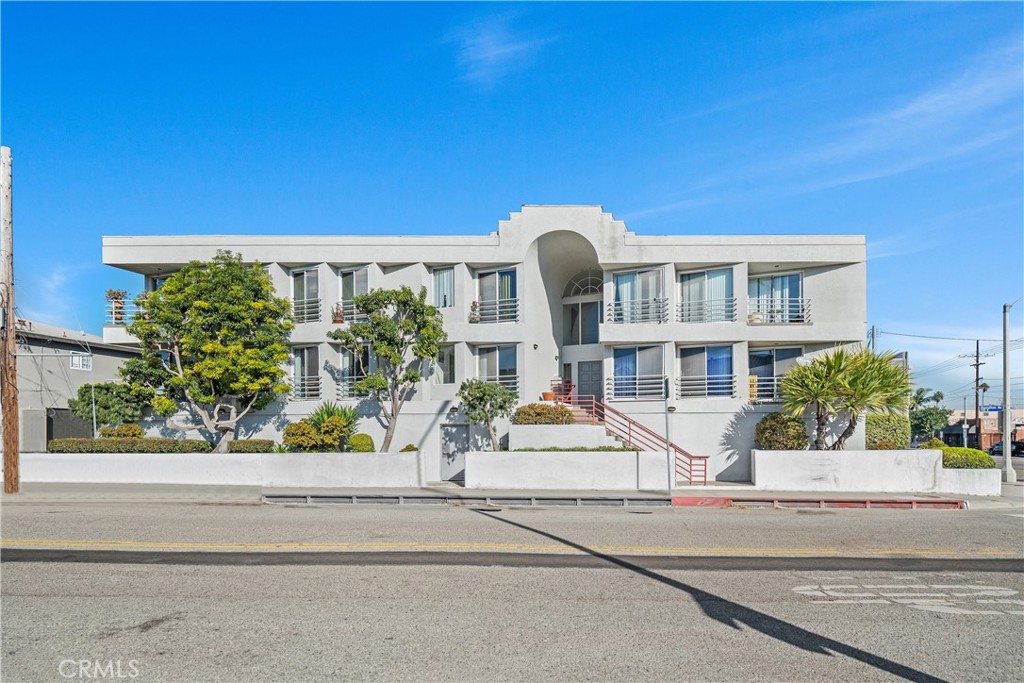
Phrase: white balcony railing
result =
(707, 311)
(121, 312)
(347, 387)
(498, 311)
(510, 381)
(306, 310)
(305, 388)
(649, 387)
(707, 386)
(761, 311)
(764, 388)
(638, 311)
(349, 314)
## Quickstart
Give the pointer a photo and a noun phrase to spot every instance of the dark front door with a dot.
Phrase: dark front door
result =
(590, 378)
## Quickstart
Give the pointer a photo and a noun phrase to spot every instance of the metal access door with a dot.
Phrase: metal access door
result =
(590, 380)
(454, 444)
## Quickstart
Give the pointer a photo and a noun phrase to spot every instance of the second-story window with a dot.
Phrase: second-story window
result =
(444, 372)
(638, 373)
(705, 371)
(767, 368)
(306, 295)
(777, 299)
(350, 284)
(706, 297)
(353, 368)
(638, 297)
(498, 364)
(306, 373)
(444, 287)
(81, 360)
(499, 297)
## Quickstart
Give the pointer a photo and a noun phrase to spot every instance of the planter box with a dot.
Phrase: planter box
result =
(987, 482)
(546, 436)
(586, 470)
(319, 470)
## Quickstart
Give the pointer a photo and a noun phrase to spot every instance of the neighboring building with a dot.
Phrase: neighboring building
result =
(53, 362)
(991, 427)
(704, 324)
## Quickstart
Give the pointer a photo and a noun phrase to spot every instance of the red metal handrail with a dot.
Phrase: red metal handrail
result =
(692, 467)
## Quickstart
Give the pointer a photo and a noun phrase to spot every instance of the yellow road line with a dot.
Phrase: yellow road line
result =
(501, 547)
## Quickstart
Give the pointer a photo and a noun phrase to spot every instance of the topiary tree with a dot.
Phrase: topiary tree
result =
(780, 432)
(403, 331)
(361, 443)
(484, 402)
(115, 403)
(213, 341)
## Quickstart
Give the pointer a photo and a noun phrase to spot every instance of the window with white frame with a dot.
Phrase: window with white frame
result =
(81, 360)
(581, 322)
(306, 295)
(444, 287)
(705, 371)
(499, 297)
(777, 299)
(706, 297)
(306, 372)
(352, 283)
(444, 372)
(638, 373)
(638, 297)
(767, 368)
(354, 367)
(499, 364)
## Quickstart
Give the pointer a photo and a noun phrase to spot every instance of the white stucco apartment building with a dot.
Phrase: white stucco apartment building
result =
(687, 329)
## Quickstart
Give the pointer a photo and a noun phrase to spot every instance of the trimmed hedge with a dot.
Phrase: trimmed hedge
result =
(957, 458)
(409, 448)
(251, 446)
(543, 414)
(125, 431)
(934, 443)
(554, 449)
(780, 432)
(361, 443)
(129, 446)
(883, 431)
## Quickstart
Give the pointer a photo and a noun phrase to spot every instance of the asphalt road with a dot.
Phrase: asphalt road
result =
(239, 593)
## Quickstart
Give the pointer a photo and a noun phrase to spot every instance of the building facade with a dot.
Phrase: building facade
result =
(686, 334)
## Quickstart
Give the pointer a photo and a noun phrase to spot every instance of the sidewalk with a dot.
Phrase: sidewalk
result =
(1012, 498)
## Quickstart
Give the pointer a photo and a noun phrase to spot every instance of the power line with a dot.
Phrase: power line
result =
(927, 336)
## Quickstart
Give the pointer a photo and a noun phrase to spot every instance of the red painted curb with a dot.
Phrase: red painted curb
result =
(849, 503)
(702, 502)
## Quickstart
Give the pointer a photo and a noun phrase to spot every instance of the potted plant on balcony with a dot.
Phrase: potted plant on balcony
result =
(116, 298)
(338, 314)
(474, 312)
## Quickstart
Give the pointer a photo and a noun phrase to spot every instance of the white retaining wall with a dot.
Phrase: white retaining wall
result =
(546, 436)
(588, 470)
(907, 471)
(340, 469)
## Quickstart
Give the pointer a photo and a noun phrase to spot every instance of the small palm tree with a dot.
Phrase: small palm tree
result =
(873, 384)
(816, 386)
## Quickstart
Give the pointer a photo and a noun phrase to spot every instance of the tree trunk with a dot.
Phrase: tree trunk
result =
(851, 427)
(495, 446)
(226, 436)
(389, 434)
(820, 427)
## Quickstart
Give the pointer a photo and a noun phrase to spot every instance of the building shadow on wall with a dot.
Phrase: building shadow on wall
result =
(736, 442)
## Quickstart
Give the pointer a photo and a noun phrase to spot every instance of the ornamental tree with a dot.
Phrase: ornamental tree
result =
(403, 332)
(483, 402)
(213, 342)
(115, 403)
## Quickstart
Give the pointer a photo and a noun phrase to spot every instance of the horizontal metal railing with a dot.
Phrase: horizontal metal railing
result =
(707, 311)
(349, 313)
(778, 311)
(306, 310)
(499, 311)
(510, 381)
(703, 387)
(346, 387)
(693, 469)
(121, 312)
(636, 387)
(764, 388)
(638, 311)
(305, 388)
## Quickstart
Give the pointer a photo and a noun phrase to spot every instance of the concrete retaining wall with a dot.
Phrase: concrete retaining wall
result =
(907, 471)
(546, 436)
(313, 470)
(590, 470)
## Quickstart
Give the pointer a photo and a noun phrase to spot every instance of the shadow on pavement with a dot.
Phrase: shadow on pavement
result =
(732, 614)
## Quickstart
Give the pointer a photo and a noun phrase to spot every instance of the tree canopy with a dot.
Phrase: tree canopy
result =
(403, 332)
(115, 403)
(213, 342)
(483, 402)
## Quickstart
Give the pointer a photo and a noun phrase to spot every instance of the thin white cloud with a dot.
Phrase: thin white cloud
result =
(50, 297)
(489, 50)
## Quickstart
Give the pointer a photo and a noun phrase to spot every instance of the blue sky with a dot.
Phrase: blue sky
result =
(899, 121)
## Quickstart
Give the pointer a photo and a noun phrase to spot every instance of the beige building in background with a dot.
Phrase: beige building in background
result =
(688, 333)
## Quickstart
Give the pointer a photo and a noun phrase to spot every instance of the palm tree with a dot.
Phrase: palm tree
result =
(816, 386)
(983, 387)
(873, 384)
(921, 397)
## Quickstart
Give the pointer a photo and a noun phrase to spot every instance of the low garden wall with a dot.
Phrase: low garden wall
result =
(903, 471)
(299, 470)
(543, 436)
(585, 470)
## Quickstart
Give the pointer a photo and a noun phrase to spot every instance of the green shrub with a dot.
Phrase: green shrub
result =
(780, 432)
(576, 449)
(408, 448)
(543, 414)
(957, 458)
(129, 446)
(125, 431)
(301, 436)
(325, 411)
(305, 436)
(934, 443)
(251, 446)
(893, 430)
(361, 443)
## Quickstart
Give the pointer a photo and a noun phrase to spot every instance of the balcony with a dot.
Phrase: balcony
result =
(496, 311)
(638, 311)
(347, 387)
(707, 311)
(345, 312)
(637, 387)
(761, 311)
(510, 381)
(305, 389)
(306, 310)
(709, 386)
(120, 312)
(764, 389)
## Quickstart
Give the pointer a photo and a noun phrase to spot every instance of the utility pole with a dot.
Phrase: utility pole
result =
(8, 371)
(977, 388)
(1009, 474)
(964, 424)
(872, 338)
